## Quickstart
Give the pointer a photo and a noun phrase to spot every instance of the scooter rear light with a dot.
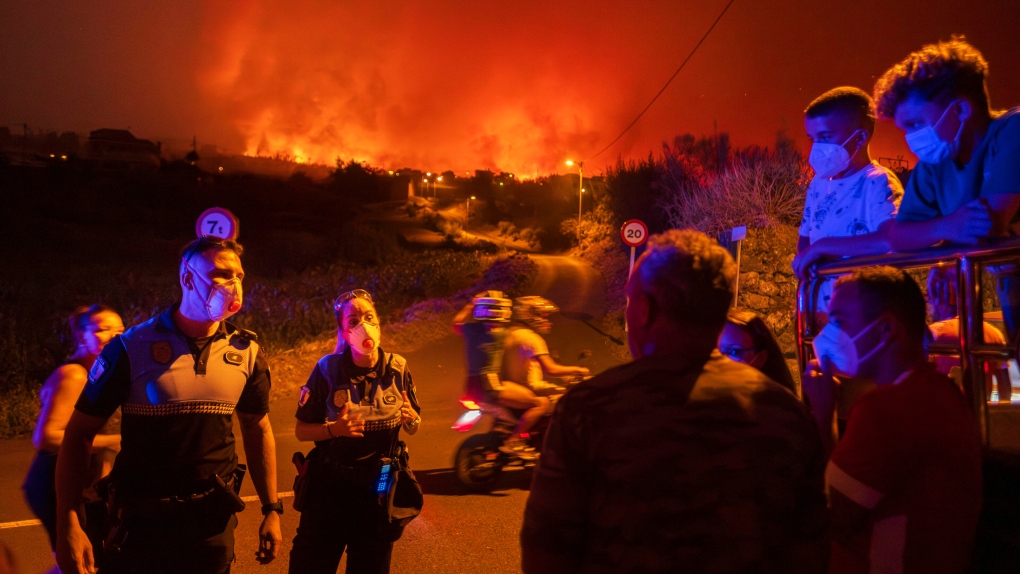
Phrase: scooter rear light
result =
(467, 421)
(470, 405)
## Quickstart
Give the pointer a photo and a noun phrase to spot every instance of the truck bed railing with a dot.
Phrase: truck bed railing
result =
(972, 350)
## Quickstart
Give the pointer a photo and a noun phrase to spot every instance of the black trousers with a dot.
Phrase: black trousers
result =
(341, 514)
(196, 538)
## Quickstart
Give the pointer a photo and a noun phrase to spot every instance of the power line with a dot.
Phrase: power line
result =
(684, 63)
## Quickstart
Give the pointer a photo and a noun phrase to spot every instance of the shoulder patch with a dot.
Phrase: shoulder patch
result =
(162, 352)
(97, 370)
(303, 396)
(340, 398)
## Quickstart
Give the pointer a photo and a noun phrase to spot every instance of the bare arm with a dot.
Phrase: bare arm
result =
(849, 246)
(74, 552)
(65, 385)
(553, 369)
(260, 452)
(967, 225)
(1004, 208)
(463, 316)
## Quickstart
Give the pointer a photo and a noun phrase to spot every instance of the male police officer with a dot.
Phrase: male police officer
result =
(178, 377)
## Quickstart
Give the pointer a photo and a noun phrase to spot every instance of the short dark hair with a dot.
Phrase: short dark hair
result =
(936, 72)
(890, 290)
(207, 243)
(689, 277)
(848, 100)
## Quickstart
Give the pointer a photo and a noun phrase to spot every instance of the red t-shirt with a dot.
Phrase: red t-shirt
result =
(911, 457)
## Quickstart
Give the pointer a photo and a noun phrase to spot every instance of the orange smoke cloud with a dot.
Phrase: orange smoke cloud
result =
(414, 84)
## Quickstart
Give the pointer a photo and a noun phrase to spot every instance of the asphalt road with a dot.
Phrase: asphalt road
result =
(458, 531)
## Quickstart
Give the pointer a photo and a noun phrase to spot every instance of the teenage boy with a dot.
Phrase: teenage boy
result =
(905, 479)
(967, 184)
(852, 200)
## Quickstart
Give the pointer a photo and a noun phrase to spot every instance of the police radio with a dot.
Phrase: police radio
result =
(382, 484)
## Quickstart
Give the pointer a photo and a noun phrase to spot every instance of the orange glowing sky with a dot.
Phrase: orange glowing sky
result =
(459, 85)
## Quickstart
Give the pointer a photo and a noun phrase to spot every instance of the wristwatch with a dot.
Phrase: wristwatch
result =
(272, 507)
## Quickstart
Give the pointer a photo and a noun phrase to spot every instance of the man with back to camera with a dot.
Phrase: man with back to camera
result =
(178, 377)
(852, 200)
(682, 459)
(966, 186)
(905, 478)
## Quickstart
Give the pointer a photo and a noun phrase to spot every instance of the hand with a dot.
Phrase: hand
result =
(269, 538)
(970, 223)
(805, 259)
(583, 371)
(407, 412)
(942, 286)
(819, 388)
(74, 551)
(347, 424)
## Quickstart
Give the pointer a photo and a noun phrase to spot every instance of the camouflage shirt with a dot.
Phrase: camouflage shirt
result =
(671, 464)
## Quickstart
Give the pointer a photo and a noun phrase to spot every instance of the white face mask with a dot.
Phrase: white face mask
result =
(829, 159)
(364, 338)
(929, 147)
(223, 299)
(840, 350)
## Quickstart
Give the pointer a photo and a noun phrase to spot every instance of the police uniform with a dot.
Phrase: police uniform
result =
(341, 508)
(177, 396)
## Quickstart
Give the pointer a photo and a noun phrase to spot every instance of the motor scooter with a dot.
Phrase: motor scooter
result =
(479, 460)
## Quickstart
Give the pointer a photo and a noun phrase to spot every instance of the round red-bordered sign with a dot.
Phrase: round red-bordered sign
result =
(217, 222)
(634, 233)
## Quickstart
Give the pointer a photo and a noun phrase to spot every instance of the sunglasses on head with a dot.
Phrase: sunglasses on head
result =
(204, 242)
(352, 294)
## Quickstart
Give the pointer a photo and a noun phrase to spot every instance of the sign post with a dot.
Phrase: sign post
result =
(634, 234)
(218, 222)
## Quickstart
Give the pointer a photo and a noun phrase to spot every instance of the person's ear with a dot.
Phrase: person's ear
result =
(187, 279)
(964, 109)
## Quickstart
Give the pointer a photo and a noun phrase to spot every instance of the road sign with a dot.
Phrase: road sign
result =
(634, 233)
(217, 222)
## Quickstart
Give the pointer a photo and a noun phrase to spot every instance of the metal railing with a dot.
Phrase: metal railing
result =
(972, 350)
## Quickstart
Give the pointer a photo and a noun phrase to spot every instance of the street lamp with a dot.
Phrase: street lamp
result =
(580, 194)
(467, 204)
(440, 178)
(426, 182)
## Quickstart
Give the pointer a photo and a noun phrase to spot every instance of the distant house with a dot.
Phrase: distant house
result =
(119, 150)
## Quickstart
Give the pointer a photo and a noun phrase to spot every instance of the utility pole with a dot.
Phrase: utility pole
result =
(580, 197)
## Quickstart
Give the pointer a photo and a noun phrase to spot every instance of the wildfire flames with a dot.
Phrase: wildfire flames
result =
(414, 84)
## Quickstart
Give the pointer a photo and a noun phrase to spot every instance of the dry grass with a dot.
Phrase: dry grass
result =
(759, 190)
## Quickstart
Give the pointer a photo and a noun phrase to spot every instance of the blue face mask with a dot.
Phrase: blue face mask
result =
(929, 147)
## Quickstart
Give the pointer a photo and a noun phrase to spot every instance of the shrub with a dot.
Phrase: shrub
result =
(759, 188)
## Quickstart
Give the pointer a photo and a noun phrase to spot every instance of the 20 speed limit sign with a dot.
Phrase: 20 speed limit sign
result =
(634, 233)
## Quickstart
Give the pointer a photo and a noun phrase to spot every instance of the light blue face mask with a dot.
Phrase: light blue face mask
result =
(929, 147)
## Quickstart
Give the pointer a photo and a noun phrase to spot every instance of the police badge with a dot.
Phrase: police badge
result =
(303, 397)
(162, 352)
(340, 398)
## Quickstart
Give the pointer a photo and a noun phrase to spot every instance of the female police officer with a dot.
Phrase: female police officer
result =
(353, 407)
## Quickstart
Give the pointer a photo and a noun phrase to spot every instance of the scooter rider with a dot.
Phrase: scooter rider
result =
(483, 324)
(526, 358)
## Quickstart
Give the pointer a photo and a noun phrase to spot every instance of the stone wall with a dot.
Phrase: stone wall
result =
(767, 284)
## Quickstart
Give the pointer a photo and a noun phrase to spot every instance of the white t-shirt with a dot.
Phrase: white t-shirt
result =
(853, 205)
(849, 206)
(521, 347)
